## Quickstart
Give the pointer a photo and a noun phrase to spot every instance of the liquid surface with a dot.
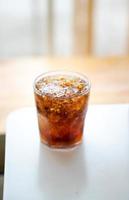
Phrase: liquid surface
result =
(61, 86)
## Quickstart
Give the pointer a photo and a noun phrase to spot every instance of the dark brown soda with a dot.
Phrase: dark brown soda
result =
(61, 103)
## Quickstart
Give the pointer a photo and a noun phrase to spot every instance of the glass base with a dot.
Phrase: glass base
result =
(60, 147)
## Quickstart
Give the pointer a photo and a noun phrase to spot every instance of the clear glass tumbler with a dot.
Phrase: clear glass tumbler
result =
(62, 101)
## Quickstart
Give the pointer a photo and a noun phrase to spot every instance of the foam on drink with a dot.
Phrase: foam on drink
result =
(61, 86)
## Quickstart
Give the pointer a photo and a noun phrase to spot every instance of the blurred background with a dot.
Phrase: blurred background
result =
(64, 28)
(93, 30)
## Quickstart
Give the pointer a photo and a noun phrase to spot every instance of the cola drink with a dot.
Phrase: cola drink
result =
(62, 102)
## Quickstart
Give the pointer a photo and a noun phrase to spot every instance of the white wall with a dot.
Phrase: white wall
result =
(111, 27)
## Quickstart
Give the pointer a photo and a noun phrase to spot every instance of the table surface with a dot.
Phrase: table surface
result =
(109, 78)
(97, 170)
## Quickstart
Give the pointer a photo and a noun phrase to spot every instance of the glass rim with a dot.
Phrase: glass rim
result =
(61, 72)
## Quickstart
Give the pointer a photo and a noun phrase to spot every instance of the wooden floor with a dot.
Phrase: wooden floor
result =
(109, 78)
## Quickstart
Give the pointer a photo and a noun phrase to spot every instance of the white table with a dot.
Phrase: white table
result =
(97, 170)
